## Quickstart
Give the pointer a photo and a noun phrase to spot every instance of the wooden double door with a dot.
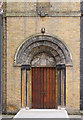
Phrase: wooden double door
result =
(43, 87)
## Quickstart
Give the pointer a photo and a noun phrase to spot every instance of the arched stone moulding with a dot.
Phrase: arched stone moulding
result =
(43, 44)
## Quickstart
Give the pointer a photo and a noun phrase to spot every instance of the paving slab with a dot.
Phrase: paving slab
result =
(6, 116)
(75, 116)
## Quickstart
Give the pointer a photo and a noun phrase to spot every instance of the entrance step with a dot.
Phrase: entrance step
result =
(41, 113)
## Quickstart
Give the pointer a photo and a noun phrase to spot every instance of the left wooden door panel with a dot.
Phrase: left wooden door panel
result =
(37, 87)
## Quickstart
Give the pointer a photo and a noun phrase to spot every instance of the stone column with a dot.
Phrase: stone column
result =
(61, 85)
(28, 86)
(25, 85)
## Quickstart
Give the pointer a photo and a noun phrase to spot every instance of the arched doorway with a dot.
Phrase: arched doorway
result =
(43, 81)
(43, 61)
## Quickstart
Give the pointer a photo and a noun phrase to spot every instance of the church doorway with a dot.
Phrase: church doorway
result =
(43, 60)
(45, 89)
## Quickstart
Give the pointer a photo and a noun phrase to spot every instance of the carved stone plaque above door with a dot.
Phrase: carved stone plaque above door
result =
(43, 8)
(43, 59)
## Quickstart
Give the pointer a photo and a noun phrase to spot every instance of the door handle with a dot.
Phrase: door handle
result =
(44, 93)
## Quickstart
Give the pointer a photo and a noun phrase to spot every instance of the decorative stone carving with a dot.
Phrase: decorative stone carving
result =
(43, 8)
(43, 44)
(43, 59)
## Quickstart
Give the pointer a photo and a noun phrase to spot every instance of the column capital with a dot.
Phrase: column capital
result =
(25, 67)
(59, 67)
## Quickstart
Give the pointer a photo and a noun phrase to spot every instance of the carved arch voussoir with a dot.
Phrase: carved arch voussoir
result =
(43, 43)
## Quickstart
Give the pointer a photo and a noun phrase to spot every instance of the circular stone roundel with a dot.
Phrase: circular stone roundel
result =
(42, 45)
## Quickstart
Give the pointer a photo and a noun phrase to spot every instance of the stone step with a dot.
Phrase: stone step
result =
(41, 113)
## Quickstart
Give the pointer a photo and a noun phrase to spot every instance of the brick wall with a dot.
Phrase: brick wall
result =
(62, 22)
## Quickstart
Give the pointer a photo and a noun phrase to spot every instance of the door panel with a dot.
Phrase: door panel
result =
(54, 89)
(51, 88)
(43, 88)
(48, 86)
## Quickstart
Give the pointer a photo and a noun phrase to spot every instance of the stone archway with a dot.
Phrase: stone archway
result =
(34, 45)
(54, 53)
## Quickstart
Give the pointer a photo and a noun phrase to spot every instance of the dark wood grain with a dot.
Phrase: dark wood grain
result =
(42, 88)
(45, 88)
(54, 88)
